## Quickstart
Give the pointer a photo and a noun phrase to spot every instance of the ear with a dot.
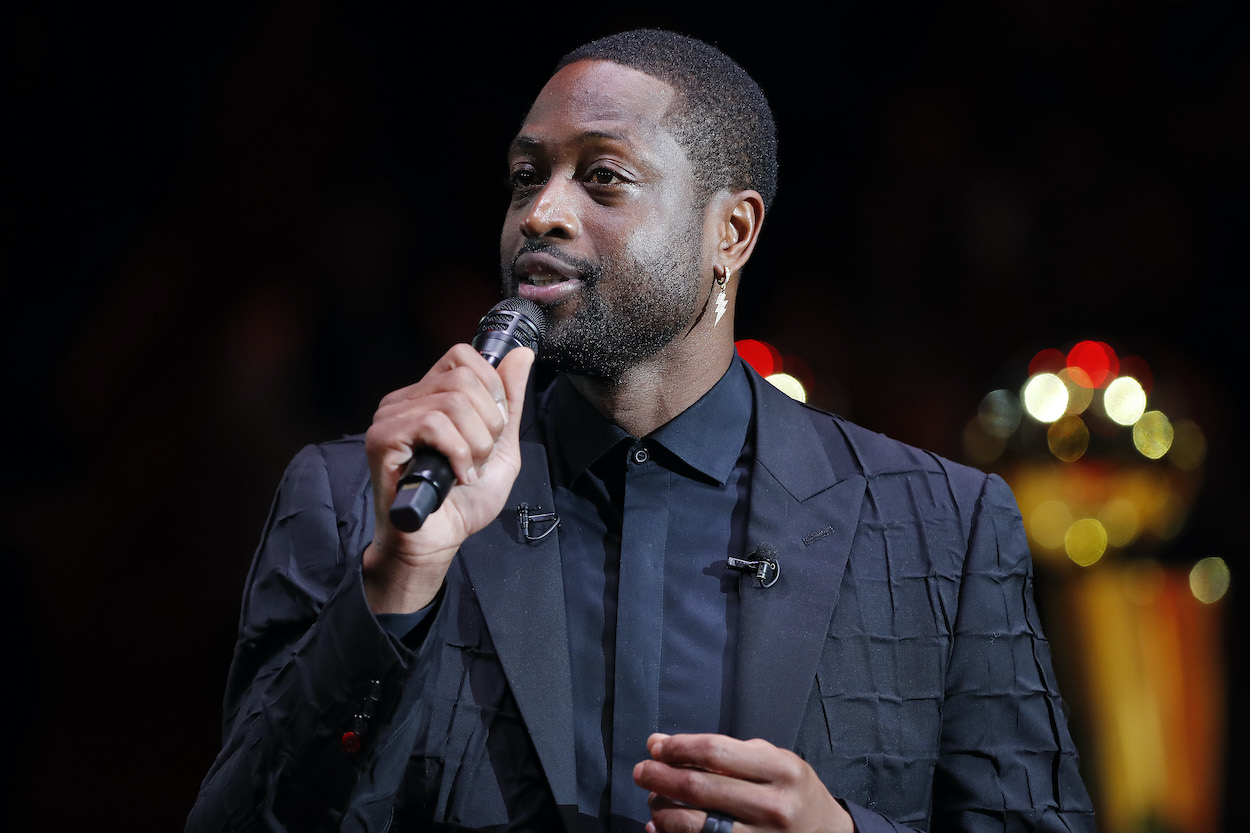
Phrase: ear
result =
(741, 216)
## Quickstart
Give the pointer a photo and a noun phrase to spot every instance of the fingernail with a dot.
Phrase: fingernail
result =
(503, 409)
(471, 474)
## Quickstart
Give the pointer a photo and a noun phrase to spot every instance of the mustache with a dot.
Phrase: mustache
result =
(590, 271)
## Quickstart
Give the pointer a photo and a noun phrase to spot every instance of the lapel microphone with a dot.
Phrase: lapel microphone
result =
(527, 519)
(762, 563)
(513, 322)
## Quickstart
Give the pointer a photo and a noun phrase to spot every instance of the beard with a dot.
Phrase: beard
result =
(628, 310)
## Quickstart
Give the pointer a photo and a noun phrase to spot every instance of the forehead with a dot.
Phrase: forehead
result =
(600, 97)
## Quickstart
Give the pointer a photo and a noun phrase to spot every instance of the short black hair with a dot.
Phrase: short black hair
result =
(723, 120)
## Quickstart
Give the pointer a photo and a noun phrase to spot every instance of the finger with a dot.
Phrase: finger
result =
(514, 373)
(752, 760)
(459, 356)
(694, 788)
(450, 425)
(671, 816)
(458, 381)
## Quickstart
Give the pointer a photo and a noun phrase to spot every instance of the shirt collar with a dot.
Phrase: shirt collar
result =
(708, 436)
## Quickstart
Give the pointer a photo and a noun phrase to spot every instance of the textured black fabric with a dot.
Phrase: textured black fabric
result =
(899, 654)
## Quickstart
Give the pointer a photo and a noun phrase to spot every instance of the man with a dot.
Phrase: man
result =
(750, 616)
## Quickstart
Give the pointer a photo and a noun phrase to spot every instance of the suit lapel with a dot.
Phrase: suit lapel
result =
(800, 507)
(520, 588)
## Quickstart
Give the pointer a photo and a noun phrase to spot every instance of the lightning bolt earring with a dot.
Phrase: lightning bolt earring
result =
(721, 300)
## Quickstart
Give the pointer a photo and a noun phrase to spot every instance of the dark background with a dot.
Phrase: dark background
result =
(234, 226)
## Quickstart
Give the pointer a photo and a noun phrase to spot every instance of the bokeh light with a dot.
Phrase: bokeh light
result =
(999, 413)
(761, 355)
(788, 385)
(1080, 394)
(1152, 434)
(1106, 481)
(1068, 438)
(1085, 541)
(1049, 523)
(981, 447)
(1209, 579)
(1091, 362)
(1045, 397)
(1119, 516)
(1136, 367)
(1124, 400)
(1049, 360)
(1189, 446)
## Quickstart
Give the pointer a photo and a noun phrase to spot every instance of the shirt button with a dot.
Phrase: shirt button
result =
(641, 455)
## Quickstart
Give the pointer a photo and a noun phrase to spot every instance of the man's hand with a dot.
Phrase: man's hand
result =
(471, 412)
(755, 783)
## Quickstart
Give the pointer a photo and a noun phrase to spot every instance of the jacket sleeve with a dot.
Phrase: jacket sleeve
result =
(1006, 761)
(309, 739)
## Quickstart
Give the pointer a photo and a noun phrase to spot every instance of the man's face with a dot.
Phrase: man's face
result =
(602, 230)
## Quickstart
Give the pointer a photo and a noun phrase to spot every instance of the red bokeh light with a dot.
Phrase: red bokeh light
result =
(1049, 360)
(1095, 360)
(798, 367)
(1136, 367)
(760, 355)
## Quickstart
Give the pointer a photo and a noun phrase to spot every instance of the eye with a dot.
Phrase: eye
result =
(521, 180)
(603, 175)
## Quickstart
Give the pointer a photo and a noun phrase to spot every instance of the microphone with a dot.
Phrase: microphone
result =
(764, 565)
(513, 322)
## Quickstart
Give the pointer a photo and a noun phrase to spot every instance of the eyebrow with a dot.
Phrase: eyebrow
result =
(530, 143)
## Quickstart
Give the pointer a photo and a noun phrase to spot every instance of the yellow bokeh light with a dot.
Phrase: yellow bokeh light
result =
(1165, 513)
(1085, 541)
(980, 446)
(1049, 522)
(1209, 579)
(1068, 438)
(1121, 520)
(1045, 397)
(1152, 434)
(1080, 393)
(1124, 400)
(1189, 446)
(789, 385)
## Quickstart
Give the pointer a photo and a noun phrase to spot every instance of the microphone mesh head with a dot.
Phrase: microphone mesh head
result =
(524, 318)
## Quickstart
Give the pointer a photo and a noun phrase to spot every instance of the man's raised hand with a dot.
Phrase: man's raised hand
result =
(471, 412)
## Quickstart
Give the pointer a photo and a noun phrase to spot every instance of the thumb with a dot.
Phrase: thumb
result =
(514, 370)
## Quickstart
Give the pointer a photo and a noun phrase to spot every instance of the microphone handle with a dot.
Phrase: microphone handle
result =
(422, 489)
(428, 476)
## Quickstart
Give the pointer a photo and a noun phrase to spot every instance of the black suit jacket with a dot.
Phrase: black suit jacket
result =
(899, 653)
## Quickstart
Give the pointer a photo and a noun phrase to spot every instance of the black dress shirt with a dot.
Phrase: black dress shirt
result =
(645, 528)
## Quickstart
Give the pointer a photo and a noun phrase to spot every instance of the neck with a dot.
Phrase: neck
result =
(652, 392)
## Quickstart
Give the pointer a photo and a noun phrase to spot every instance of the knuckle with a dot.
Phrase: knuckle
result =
(461, 352)
(691, 784)
(462, 376)
(456, 402)
(778, 811)
(790, 769)
(716, 750)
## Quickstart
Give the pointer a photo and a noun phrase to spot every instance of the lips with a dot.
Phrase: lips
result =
(546, 279)
(543, 269)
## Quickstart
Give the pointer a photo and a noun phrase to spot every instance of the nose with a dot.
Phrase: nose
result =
(553, 212)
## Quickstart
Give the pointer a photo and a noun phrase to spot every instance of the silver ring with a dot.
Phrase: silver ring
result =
(717, 823)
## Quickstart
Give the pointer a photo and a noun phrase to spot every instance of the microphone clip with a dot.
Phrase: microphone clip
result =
(764, 565)
(525, 518)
